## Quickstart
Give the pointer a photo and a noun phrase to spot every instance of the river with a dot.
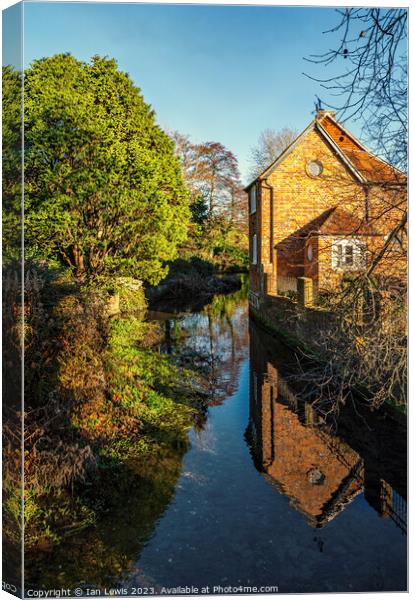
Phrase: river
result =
(267, 494)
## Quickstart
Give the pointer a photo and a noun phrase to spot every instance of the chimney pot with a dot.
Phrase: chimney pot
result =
(322, 113)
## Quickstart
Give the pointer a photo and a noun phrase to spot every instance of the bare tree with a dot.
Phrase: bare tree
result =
(366, 348)
(372, 84)
(270, 145)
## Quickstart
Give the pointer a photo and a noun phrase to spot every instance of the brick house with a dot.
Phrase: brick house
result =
(323, 208)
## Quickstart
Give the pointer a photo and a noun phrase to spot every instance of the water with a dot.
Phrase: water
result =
(266, 495)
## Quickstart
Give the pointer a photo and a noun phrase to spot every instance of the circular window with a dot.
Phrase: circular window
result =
(314, 168)
(310, 253)
(315, 476)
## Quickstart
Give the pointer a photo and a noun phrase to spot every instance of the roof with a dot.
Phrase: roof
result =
(367, 164)
(364, 165)
(337, 221)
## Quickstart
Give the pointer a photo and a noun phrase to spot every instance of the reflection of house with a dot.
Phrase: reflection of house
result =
(322, 208)
(321, 473)
(316, 477)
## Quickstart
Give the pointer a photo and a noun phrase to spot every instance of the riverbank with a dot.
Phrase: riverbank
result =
(101, 402)
(330, 383)
(195, 278)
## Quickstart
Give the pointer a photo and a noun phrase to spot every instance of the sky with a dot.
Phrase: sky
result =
(216, 73)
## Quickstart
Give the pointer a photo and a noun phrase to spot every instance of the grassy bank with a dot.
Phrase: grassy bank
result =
(100, 403)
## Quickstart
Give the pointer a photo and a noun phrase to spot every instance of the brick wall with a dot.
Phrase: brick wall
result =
(287, 214)
(304, 326)
(300, 199)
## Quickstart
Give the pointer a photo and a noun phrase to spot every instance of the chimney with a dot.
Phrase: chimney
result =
(322, 113)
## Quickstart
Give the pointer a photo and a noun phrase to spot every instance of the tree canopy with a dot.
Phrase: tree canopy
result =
(217, 201)
(104, 190)
(11, 161)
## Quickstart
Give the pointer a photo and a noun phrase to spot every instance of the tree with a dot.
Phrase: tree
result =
(104, 191)
(216, 170)
(12, 165)
(269, 146)
(187, 153)
(366, 349)
(217, 201)
(372, 85)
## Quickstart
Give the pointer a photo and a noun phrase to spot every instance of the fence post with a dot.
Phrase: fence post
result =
(269, 283)
(305, 291)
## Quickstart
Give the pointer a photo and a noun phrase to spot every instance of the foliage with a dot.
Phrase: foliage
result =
(365, 350)
(104, 191)
(195, 266)
(218, 232)
(11, 161)
(131, 294)
(96, 398)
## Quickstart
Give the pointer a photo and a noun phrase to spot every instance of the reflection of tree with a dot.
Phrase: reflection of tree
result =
(228, 339)
(100, 556)
(214, 341)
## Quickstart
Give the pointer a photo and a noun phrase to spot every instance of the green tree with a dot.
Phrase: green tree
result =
(12, 165)
(104, 191)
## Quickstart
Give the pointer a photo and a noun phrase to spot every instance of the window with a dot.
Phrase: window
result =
(254, 249)
(252, 195)
(349, 254)
(314, 168)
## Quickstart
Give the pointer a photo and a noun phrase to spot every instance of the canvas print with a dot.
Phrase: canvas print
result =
(204, 299)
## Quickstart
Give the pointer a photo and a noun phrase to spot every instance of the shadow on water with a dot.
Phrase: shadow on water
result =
(97, 557)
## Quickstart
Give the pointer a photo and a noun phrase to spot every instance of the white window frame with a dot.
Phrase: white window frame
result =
(253, 199)
(254, 249)
(349, 254)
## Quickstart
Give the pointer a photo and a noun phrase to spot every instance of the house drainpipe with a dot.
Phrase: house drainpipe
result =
(272, 250)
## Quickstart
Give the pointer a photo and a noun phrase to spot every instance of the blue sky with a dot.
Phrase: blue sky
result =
(221, 73)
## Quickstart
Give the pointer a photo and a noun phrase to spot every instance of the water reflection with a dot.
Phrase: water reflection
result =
(203, 516)
(321, 466)
(213, 339)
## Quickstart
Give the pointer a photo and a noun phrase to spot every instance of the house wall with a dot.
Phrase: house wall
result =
(254, 228)
(329, 277)
(261, 223)
(299, 198)
(284, 216)
(311, 267)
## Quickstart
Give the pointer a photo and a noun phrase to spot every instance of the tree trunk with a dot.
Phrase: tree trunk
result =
(212, 195)
(78, 262)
